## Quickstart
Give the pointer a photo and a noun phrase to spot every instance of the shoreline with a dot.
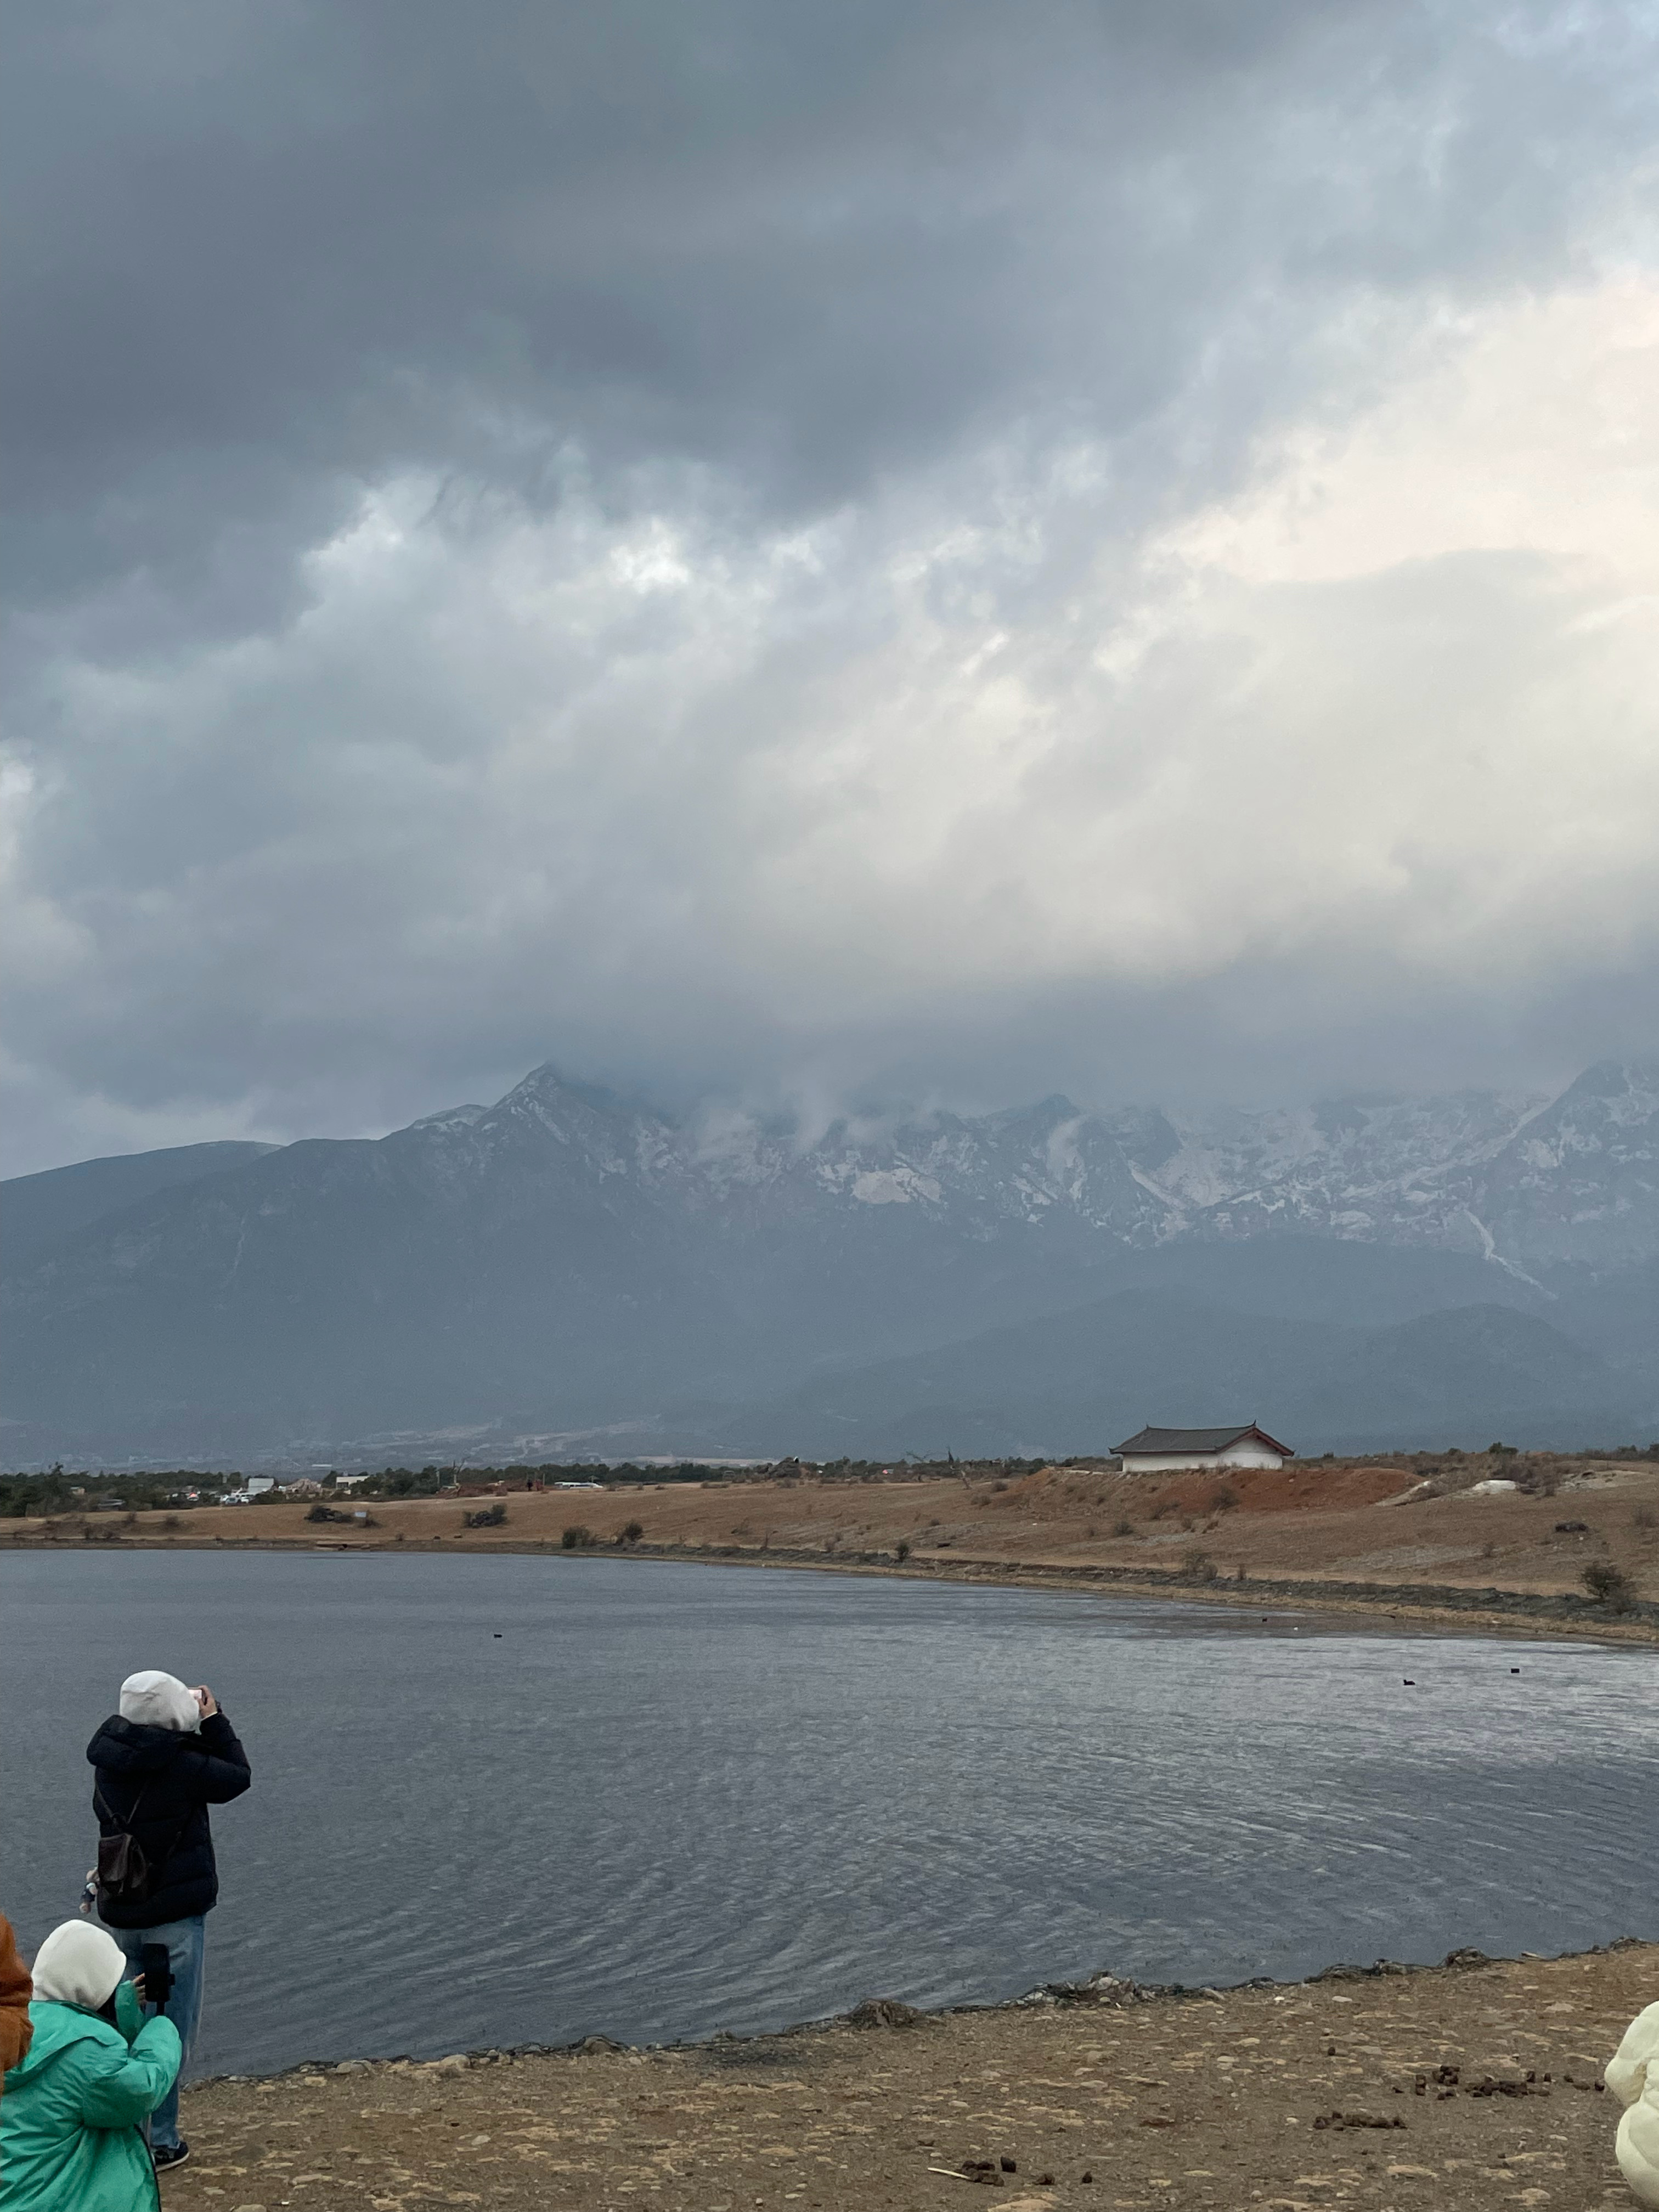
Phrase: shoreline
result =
(1493, 1610)
(1575, 1555)
(1101, 1988)
(1475, 2082)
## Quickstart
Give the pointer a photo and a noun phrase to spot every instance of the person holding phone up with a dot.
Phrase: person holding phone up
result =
(160, 1761)
(72, 2114)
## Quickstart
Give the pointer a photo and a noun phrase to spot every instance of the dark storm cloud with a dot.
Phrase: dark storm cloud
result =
(482, 476)
(809, 243)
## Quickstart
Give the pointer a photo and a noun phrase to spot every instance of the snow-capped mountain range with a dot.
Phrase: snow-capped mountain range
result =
(566, 1257)
(1525, 1181)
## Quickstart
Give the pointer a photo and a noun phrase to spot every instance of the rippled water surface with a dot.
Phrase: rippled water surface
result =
(521, 1800)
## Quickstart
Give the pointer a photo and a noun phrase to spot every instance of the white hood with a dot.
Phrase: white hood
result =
(78, 1964)
(160, 1701)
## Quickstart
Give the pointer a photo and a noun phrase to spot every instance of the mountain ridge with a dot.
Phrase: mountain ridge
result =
(567, 1257)
(41, 1208)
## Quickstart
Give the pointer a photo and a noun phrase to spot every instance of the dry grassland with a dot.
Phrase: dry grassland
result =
(1308, 1528)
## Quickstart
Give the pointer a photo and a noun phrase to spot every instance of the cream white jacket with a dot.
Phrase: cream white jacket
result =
(1632, 2074)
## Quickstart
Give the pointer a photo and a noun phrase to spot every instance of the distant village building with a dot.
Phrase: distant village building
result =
(1164, 1451)
(257, 1485)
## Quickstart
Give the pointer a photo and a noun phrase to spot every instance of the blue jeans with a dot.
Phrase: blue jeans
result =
(186, 1941)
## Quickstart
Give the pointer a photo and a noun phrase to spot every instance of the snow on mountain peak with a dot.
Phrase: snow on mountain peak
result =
(1519, 1178)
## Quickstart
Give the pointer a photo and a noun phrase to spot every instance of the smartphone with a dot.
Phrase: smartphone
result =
(155, 1965)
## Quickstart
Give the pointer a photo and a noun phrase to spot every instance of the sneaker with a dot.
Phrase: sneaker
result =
(164, 2157)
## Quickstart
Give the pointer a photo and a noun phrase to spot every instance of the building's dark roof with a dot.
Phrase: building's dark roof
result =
(1197, 1440)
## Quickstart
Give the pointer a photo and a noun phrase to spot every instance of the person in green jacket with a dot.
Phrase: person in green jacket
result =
(72, 2110)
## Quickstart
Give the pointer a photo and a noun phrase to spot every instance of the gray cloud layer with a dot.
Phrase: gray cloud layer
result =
(822, 550)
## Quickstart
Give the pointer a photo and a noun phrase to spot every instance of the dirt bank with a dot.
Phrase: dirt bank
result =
(1460, 2086)
(1350, 1537)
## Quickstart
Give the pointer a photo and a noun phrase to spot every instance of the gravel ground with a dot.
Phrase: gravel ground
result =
(1461, 2087)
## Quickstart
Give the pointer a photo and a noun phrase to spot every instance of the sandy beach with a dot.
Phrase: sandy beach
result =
(1472, 2085)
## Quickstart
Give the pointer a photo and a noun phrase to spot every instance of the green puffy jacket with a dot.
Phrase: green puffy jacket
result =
(70, 2108)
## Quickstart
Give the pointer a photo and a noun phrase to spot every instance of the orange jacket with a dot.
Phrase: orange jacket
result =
(15, 1989)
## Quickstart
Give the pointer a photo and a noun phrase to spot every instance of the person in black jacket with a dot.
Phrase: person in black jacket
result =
(160, 1761)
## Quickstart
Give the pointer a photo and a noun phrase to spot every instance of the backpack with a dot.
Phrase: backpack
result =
(126, 1876)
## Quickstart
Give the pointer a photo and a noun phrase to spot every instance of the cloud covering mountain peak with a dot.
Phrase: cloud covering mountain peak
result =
(834, 557)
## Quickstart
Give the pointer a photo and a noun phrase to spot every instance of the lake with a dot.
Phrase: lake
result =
(513, 1800)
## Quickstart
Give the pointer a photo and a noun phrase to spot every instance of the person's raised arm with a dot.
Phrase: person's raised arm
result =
(225, 1771)
(126, 2087)
(130, 2009)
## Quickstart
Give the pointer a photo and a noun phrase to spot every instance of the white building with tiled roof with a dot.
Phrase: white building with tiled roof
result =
(1166, 1451)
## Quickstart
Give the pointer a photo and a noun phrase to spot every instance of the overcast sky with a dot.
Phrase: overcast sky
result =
(814, 551)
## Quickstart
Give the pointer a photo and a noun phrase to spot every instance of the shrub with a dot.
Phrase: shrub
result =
(1645, 1517)
(576, 1538)
(902, 1551)
(1200, 1568)
(632, 1533)
(321, 1512)
(1224, 1501)
(487, 1516)
(1608, 1585)
(1123, 1526)
(170, 1520)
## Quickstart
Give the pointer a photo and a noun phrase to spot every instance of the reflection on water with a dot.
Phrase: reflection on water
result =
(522, 1800)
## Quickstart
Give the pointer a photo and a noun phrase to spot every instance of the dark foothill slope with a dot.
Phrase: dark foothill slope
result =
(37, 1210)
(1082, 1379)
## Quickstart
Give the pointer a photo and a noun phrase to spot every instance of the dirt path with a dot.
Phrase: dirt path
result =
(1452, 2088)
